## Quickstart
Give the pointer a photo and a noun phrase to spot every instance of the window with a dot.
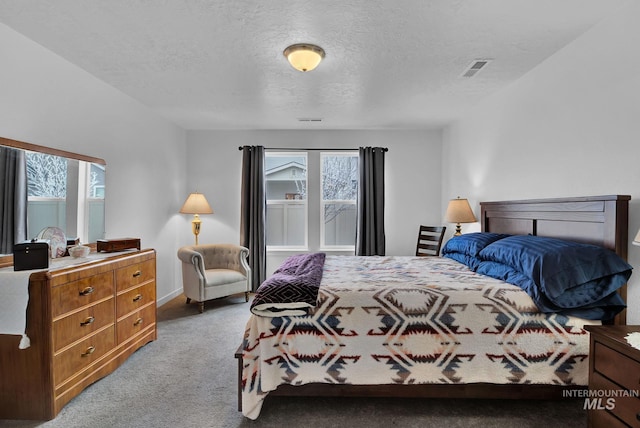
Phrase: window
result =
(311, 200)
(286, 192)
(65, 193)
(339, 191)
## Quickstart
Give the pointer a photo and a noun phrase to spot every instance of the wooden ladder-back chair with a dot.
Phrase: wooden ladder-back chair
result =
(430, 240)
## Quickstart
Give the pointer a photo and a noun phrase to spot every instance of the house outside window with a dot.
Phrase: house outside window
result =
(286, 193)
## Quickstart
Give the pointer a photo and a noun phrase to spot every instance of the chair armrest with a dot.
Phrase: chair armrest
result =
(189, 256)
(244, 262)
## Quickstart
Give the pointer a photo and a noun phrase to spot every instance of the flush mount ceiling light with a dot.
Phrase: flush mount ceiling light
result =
(304, 56)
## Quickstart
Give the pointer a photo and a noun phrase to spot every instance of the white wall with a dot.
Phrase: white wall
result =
(570, 127)
(48, 101)
(412, 177)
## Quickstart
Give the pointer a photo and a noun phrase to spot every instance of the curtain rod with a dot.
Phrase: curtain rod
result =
(285, 149)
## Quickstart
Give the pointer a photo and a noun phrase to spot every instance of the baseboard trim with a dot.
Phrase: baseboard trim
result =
(169, 297)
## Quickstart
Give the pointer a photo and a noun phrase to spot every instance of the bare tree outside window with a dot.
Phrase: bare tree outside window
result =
(301, 186)
(93, 183)
(46, 175)
(339, 179)
(339, 183)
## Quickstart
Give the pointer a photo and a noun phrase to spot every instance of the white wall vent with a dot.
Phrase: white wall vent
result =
(475, 67)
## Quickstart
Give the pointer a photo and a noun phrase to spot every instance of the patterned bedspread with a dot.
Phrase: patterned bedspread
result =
(406, 320)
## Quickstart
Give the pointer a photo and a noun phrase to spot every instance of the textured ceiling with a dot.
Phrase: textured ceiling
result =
(206, 64)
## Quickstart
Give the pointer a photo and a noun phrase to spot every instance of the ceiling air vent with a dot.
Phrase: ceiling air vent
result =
(309, 119)
(475, 67)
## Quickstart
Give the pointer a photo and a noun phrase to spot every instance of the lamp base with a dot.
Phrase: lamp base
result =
(195, 226)
(458, 230)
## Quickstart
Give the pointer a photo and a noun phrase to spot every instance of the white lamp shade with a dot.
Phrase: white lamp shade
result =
(459, 211)
(304, 57)
(636, 240)
(196, 203)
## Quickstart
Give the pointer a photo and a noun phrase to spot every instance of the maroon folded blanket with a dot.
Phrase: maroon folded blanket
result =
(293, 287)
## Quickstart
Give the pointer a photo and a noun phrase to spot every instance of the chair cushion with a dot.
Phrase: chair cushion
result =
(222, 276)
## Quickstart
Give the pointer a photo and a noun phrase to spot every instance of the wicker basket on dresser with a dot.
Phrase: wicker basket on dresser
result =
(83, 321)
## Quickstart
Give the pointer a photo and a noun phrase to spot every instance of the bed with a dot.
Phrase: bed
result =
(433, 326)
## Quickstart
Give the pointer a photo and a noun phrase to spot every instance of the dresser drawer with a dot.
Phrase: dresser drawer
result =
(135, 322)
(135, 298)
(604, 419)
(79, 324)
(77, 294)
(619, 368)
(625, 408)
(82, 354)
(135, 274)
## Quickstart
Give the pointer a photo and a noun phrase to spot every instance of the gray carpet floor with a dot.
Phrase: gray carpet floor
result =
(187, 378)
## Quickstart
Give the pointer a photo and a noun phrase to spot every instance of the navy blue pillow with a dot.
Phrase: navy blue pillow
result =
(563, 274)
(470, 243)
(470, 261)
(512, 276)
(583, 301)
(604, 309)
(556, 265)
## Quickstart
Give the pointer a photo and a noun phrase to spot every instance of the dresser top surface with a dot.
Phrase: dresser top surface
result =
(615, 333)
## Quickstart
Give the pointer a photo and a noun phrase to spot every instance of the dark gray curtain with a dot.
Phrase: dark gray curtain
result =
(13, 198)
(253, 211)
(370, 239)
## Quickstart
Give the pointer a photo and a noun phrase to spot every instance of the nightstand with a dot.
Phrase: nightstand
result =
(614, 377)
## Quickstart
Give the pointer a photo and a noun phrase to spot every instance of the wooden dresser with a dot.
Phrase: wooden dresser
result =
(614, 377)
(83, 321)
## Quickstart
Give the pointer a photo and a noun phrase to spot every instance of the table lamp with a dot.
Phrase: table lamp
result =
(196, 204)
(459, 211)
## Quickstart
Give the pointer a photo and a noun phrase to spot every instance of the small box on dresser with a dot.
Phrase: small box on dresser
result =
(119, 244)
(614, 377)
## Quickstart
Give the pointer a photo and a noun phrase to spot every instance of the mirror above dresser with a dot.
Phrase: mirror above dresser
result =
(63, 189)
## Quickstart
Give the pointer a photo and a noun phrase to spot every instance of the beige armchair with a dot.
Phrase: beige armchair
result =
(214, 270)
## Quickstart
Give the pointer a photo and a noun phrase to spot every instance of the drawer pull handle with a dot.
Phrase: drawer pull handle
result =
(138, 321)
(137, 298)
(86, 291)
(137, 274)
(88, 321)
(90, 350)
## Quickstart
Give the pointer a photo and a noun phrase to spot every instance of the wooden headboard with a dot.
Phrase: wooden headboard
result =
(597, 220)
